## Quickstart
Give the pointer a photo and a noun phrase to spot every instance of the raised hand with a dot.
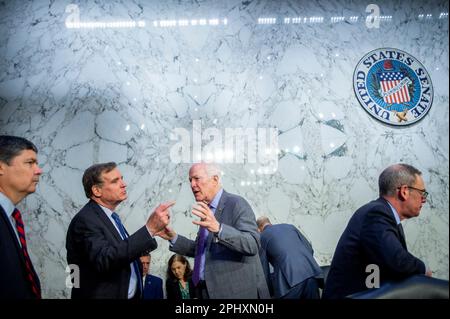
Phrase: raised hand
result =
(207, 218)
(160, 218)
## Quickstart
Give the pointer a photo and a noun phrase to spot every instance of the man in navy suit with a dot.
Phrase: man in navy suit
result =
(98, 243)
(152, 284)
(374, 237)
(19, 175)
(295, 270)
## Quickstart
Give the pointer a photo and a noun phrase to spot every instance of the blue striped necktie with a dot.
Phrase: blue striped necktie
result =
(124, 234)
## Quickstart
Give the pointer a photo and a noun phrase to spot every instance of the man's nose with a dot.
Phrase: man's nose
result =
(38, 170)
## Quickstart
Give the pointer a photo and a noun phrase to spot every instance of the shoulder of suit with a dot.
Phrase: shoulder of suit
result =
(381, 205)
(153, 277)
(378, 209)
(376, 205)
(87, 211)
(233, 198)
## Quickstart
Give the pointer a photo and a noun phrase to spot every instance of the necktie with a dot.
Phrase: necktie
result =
(402, 233)
(124, 234)
(202, 234)
(31, 276)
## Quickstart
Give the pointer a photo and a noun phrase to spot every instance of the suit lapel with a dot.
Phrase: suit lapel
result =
(13, 235)
(218, 215)
(106, 221)
(390, 214)
(402, 235)
(221, 206)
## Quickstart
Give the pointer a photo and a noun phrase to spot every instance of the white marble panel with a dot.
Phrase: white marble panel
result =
(86, 95)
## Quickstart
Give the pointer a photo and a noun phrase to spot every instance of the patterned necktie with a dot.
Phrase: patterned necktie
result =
(124, 234)
(202, 234)
(31, 275)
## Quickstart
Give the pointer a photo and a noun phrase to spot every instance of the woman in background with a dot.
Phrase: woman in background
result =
(179, 283)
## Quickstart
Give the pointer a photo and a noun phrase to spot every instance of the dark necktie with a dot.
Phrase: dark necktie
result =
(202, 235)
(31, 275)
(402, 233)
(124, 234)
(200, 251)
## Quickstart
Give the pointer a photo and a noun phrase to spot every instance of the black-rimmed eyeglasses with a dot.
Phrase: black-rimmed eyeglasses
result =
(423, 192)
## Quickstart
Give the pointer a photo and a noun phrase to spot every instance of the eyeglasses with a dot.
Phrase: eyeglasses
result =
(423, 192)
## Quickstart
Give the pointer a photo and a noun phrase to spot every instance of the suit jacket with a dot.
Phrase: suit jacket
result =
(13, 275)
(153, 288)
(232, 265)
(371, 237)
(291, 256)
(173, 289)
(103, 258)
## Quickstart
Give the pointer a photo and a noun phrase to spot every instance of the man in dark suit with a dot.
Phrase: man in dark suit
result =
(98, 244)
(152, 284)
(295, 270)
(226, 249)
(19, 175)
(372, 248)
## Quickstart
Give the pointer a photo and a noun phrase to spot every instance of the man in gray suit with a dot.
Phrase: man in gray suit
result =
(291, 256)
(227, 244)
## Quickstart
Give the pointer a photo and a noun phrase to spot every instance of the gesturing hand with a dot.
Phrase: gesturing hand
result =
(160, 218)
(207, 218)
(166, 233)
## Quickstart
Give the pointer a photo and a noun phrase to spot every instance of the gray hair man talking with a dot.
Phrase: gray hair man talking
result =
(226, 249)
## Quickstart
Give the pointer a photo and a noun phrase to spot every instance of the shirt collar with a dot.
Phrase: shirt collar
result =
(7, 204)
(107, 211)
(394, 211)
(215, 202)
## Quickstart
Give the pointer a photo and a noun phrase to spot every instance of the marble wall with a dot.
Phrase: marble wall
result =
(118, 80)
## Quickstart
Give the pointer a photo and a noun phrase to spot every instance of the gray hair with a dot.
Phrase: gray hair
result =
(213, 169)
(395, 176)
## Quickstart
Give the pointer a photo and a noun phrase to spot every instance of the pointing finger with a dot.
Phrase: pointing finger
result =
(167, 205)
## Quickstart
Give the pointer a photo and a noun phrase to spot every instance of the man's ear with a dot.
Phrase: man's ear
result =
(96, 191)
(403, 193)
(2, 168)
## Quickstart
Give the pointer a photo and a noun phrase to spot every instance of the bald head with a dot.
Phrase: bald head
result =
(262, 222)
